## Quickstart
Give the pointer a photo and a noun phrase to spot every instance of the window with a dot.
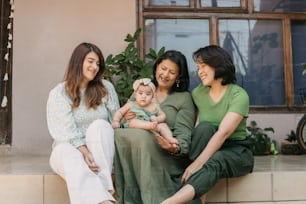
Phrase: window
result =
(265, 38)
(6, 23)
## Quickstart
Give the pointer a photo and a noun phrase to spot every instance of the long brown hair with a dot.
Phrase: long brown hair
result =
(74, 76)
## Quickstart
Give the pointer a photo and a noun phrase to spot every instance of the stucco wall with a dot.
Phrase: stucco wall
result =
(45, 33)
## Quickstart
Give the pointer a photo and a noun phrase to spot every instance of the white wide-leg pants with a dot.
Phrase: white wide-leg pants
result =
(84, 186)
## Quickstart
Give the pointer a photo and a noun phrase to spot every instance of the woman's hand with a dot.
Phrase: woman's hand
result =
(91, 163)
(115, 124)
(191, 169)
(170, 147)
(129, 115)
(89, 159)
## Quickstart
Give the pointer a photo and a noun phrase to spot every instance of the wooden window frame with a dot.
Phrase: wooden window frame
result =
(193, 11)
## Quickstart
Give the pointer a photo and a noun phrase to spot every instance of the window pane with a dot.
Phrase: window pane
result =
(220, 3)
(280, 5)
(169, 2)
(298, 30)
(257, 51)
(185, 35)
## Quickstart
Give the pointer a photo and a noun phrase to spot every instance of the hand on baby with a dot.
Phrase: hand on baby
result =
(154, 118)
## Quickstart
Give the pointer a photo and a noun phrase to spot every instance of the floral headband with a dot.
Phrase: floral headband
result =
(145, 82)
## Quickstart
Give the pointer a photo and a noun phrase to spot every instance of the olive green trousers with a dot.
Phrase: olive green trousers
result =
(233, 159)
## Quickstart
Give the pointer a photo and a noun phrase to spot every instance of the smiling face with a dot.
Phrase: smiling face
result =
(206, 73)
(166, 73)
(143, 95)
(90, 68)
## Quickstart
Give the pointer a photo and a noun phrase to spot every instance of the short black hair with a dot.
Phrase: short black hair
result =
(219, 59)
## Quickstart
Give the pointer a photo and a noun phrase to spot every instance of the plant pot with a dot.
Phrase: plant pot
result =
(260, 149)
(291, 148)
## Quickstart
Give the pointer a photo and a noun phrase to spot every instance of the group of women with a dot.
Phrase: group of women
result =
(209, 125)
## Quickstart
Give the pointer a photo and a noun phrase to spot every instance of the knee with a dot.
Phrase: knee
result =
(203, 131)
(205, 126)
(100, 123)
(63, 153)
(98, 126)
(98, 129)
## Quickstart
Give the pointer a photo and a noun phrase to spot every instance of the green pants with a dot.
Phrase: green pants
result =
(233, 159)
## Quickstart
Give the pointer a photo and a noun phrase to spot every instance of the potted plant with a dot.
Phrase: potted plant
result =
(290, 145)
(261, 143)
(124, 68)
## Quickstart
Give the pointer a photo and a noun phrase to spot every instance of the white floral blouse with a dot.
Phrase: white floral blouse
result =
(69, 125)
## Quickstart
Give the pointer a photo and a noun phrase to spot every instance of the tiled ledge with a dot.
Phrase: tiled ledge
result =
(276, 179)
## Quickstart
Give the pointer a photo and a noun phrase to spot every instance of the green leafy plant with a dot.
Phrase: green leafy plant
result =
(291, 137)
(261, 143)
(124, 68)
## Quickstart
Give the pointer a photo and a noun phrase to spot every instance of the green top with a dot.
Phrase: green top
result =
(180, 113)
(144, 172)
(235, 100)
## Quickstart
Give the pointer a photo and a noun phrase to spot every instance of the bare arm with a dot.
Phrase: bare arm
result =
(227, 126)
(119, 114)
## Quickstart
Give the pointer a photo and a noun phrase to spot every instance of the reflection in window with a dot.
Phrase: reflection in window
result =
(169, 2)
(179, 34)
(280, 5)
(298, 30)
(220, 3)
(257, 51)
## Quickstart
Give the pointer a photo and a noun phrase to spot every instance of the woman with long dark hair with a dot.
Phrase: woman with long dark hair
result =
(79, 113)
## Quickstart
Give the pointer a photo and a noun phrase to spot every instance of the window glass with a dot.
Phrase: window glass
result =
(257, 50)
(220, 3)
(280, 5)
(185, 35)
(169, 2)
(298, 30)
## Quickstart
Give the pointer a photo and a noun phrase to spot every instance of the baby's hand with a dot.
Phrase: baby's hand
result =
(115, 124)
(153, 125)
(154, 118)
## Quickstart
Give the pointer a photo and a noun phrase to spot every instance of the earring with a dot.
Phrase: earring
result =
(177, 83)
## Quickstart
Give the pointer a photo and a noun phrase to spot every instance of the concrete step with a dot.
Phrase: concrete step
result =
(276, 179)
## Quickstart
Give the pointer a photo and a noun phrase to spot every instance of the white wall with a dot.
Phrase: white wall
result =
(45, 33)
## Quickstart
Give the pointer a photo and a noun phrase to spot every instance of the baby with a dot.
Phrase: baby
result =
(149, 116)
